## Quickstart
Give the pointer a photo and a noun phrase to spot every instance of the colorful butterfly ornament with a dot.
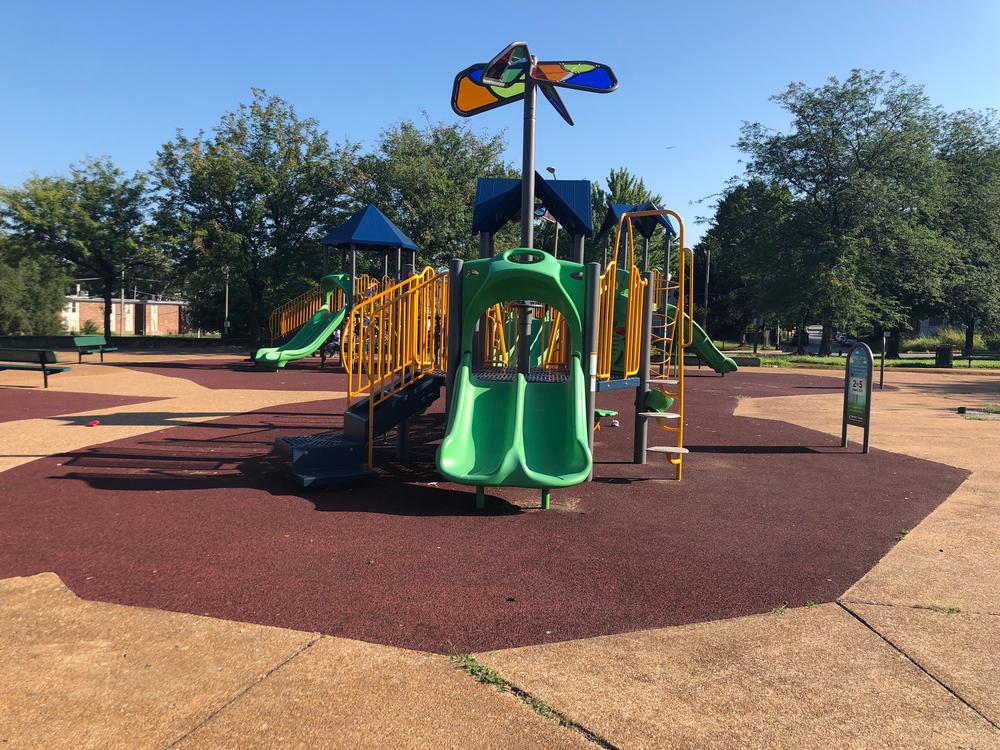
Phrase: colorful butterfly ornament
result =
(501, 81)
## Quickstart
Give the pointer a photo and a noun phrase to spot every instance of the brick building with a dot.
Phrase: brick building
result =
(143, 317)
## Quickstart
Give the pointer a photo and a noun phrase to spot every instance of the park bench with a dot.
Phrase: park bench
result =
(31, 359)
(92, 345)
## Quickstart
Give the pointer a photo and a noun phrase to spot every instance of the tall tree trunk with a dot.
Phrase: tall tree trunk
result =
(801, 338)
(970, 337)
(826, 340)
(256, 311)
(892, 344)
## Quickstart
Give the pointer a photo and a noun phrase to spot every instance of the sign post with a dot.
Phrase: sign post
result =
(858, 392)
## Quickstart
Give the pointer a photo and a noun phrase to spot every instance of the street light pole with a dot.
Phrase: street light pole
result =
(555, 245)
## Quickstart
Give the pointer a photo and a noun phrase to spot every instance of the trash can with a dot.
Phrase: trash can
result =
(944, 356)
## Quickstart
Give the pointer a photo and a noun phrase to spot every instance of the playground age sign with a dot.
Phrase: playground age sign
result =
(858, 392)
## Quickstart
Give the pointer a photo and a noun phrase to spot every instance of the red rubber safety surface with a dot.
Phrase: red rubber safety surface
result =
(303, 375)
(22, 403)
(205, 519)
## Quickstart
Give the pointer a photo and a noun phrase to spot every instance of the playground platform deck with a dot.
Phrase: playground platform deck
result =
(708, 613)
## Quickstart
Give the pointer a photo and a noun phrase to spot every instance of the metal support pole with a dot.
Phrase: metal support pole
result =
(639, 446)
(881, 365)
(121, 323)
(354, 271)
(524, 316)
(604, 251)
(666, 270)
(555, 243)
(454, 326)
(578, 248)
(645, 254)
(385, 264)
(484, 245)
(590, 332)
(528, 166)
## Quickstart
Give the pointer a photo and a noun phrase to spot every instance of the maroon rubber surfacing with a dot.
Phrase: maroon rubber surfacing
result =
(205, 519)
(22, 403)
(230, 373)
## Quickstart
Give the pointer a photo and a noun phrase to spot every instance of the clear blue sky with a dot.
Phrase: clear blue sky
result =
(117, 78)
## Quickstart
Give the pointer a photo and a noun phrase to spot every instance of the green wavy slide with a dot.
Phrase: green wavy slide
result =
(311, 336)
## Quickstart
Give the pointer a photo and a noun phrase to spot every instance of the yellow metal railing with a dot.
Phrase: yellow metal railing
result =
(395, 338)
(497, 353)
(295, 313)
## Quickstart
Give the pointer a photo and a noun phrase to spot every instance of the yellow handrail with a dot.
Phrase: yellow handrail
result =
(497, 354)
(395, 338)
(295, 313)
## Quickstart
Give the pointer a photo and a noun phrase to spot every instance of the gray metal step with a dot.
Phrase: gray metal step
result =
(661, 381)
(667, 449)
(659, 415)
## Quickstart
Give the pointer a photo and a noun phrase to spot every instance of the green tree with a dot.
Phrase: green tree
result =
(859, 161)
(749, 243)
(254, 197)
(32, 292)
(621, 186)
(970, 147)
(95, 220)
(424, 180)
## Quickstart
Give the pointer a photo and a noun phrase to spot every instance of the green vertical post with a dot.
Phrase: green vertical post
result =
(546, 499)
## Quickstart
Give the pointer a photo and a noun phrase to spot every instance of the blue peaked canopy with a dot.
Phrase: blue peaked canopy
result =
(645, 225)
(369, 229)
(498, 200)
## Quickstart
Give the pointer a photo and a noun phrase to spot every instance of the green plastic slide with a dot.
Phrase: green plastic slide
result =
(310, 337)
(702, 343)
(517, 432)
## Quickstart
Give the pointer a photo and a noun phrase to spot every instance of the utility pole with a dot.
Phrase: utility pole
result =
(708, 267)
(225, 307)
(121, 322)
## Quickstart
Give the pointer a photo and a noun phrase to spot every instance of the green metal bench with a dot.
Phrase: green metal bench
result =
(92, 345)
(31, 359)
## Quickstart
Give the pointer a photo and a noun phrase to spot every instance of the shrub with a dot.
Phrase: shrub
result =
(954, 337)
(89, 328)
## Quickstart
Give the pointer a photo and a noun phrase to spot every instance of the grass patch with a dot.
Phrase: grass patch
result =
(992, 408)
(810, 603)
(937, 608)
(902, 535)
(483, 674)
(780, 610)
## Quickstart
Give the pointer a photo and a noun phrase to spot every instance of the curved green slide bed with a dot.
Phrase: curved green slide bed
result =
(518, 431)
(311, 336)
(702, 343)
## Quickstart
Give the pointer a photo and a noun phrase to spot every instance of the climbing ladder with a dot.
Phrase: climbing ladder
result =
(671, 332)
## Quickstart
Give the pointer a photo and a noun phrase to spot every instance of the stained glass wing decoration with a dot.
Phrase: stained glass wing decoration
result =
(577, 74)
(508, 67)
(470, 95)
(502, 81)
(556, 101)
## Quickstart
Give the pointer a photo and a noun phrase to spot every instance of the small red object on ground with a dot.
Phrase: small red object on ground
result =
(93, 423)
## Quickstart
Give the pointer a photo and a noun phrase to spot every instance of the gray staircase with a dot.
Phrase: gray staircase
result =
(341, 456)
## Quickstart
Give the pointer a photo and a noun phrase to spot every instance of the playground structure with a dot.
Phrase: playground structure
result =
(524, 341)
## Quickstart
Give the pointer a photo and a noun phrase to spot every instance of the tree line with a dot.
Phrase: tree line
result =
(874, 209)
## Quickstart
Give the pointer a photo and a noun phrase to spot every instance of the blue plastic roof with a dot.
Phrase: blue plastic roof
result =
(645, 225)
(369, 229)
(498, 200)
